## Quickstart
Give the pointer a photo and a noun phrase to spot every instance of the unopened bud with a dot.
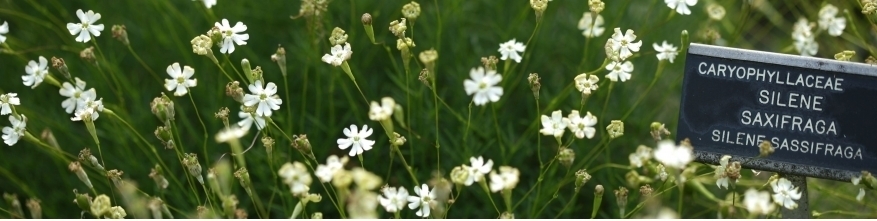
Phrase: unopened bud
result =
(156, 176)
(36, 211)
(598, 199)
(658, 131)
(234, 90)
(317, 215)
(82, 200)
(411, 11)
(615, 129)
(280, 58)
(120, 33)
(303, 145)
(489, 62)
(248, 71)
(582, 177)
(539, 6)
(367, 24)
(76, 168)
(61, 66)
(163, 133)
(100, 205)
(163, 108)
(566, 156)
(535, 84)
(222, 114)
(87, 54)
(459, 174)
(715, 11)
(645, 190)
(193, 167)
(268, 143)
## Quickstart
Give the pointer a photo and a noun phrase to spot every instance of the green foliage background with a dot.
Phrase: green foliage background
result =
(319, 100)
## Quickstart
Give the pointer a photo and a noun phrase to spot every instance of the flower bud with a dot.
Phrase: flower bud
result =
(621, 197)
(338, 37)
(233, 90)
(49, 138)
(268, 143)
(163, 133)
(87, 54)
(582, 177)
(317, 215)
(116, 176)
(248, 71)
(240, 214)
(85, 156)
(163, 108)
(535, 84)
(662, 172)
(507, 215)
(411, 11)
(367, 24)
(539, 6)
(366, 19)
(156, 176)
(36, 211)
(615, 129)
(222, 114)
(658, 131)
(683, 40)
(598, 199)
(459, 174)
(489, 62)
(303, 145)
(398, 140)
(58, 63)
(429, 56)
(193, 167)
(869, 6)
(82, 200)
(120, 33)
(100, 205)
(596, 6)
(76, 168)
(201, 44)
(566, 156)
(205, 213)
(243, 177)
(871, 60)
(646, 190)
(116, 212)
(715, 11)
(280, 58)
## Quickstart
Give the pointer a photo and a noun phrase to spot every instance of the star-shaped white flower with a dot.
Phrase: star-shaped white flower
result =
(619, 71)
(642, 155)
(758, 202)
(208, 3)
(483, 85)
(393, 200)
(672, 155)
(36, 72)
(325, 172)
(554, 125)
(89, 107)
(785, 193)
(7, 101)
(12, 134)
(665, 51)
(338, 54)
(681, 6)
(86, 28)
(591, 26)
(478, 169)
(623, 44)
(266, 97)
(296, 175)
(357, 139)
(828, 21)
(722, 181)
(231, 35)
(382, 111)
(422, 200)
(510, 49)
(4, 29)
(804, 40)
(180, 79)
(230, 133)
(507, 179)
(587, 83)
(247, 120)
(581, 126)
(74, 95)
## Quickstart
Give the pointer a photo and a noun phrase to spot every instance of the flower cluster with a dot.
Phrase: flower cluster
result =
(619, 48)
(84, 104)
(805, 40)
(581, 126)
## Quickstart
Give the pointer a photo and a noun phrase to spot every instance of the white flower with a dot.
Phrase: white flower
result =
(507, 179)
(643, 154)
(665, 51)
(722, 180)
(249, 118)
(296, 175)
(6, 102)
(36, 72)
(672, 155)
(264, 96)
(581, 126)
(393, 200)
(230, 133)
(325, 172)
(623, 45)
(12, 134)
(338, 54)
(483, 85)
(828, 21)
(89, 107)
(756, 172)
(4, 29)
(73, 94)
(591, 26)
(619, 71)
(86, 28)
(785, 193)
(586, 83)
(861, 195)
(681, 6)
(805, 41)
(422, 200)
(662, 172)
(356, 138)
(855, 180)
(231, 34)
(554, 125)
(758, 202)
(180, 79)
(383, 111)
(510, 49)
(478, 169)
(208, 3)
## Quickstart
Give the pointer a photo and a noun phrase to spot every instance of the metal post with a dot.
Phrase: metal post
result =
(803, 210)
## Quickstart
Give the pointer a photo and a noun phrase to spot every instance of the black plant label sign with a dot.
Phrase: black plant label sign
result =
(819, 115)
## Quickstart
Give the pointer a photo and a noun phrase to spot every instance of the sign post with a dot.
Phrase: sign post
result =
(817, 114)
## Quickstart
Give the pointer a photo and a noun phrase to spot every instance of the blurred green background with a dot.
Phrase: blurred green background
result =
(319, 100)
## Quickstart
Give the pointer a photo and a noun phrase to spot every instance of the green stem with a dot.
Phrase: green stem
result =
(115, 81)
(574, 197)
(405, 163)
(203, 126)
(498, 133)
(216, 62)
(483, 184)
(235, 69)
(648, 89)
(151, 72)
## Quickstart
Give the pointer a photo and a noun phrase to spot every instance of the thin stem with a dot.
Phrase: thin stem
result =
(554, 195)
(235, 69)
(648, 89)
(483, 184)
(574, 197)
(498, 133)
(216, 62)
(151, 72)
(405, 163)
(203, 126)
(154, 151)
(538, 181)
(112, 77)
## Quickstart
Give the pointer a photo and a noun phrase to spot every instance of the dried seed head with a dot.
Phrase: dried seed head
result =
(222, 114)
(163, 133)
(240, 213)
(621, 197)
(193, 167)
(163, 108)
(645, 190)
(61, 66)
(243, 177)
(871, 60)
(398, 140)
(733, 171)
(658, 131)
(268, 143)
(566, 156)
(36, 211)
(489, 62)
(582, 177)
(87, 54)
(156, 176)
(765, 149)
(120, 33)
(76, 168)
(116, 176)
(366, 19)
(535, 84)
(234, 90)
(424, 78)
